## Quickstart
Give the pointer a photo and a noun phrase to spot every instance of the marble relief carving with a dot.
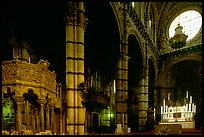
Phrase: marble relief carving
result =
(12, 70)
(18, 72)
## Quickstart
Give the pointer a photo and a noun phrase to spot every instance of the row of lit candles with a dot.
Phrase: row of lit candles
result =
(188, 107)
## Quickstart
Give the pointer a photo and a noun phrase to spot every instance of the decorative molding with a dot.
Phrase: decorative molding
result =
(141, 28)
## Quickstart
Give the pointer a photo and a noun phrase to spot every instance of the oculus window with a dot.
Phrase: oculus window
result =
(190, 20)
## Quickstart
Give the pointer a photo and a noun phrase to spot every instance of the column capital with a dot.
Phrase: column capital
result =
(52, 104)
(48, 108)
(18, 98)
(42, 101)
(3, 101)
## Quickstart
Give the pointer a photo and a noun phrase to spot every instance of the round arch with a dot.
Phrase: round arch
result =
(117, 16)
(138, 38)
(164, 72)
(135, 75)
(30, 90)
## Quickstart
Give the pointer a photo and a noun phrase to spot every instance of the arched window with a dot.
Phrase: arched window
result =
(190, 20)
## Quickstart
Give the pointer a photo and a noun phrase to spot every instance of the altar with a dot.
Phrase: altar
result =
(185, 124)
(183, 115)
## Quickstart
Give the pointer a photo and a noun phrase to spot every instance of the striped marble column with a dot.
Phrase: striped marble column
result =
(122, 87)
(143, 98)
(75, 67)
(80, 66)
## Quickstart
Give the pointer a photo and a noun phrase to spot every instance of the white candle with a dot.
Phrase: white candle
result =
(190, 99)
(161, 109)
(186, 94)
(189, 107)
(164, 106)
(195, 109)
(114, 86)
(164, 102)
(168, 96)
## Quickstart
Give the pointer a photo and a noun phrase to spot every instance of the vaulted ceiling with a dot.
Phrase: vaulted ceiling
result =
(163, 11)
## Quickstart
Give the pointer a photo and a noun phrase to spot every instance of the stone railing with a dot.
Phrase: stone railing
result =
(36, 75)
(167, 56)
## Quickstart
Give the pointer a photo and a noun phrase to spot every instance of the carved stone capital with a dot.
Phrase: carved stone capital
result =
(3, 101)
(18, 98)
(52, 104)
(42, 101)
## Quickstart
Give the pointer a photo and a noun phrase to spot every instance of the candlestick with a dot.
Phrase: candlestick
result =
(189, 107)
(195, 109)
(161, 109)
(168, 96)
(164, 102)
(114, 86)
(186, 94)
